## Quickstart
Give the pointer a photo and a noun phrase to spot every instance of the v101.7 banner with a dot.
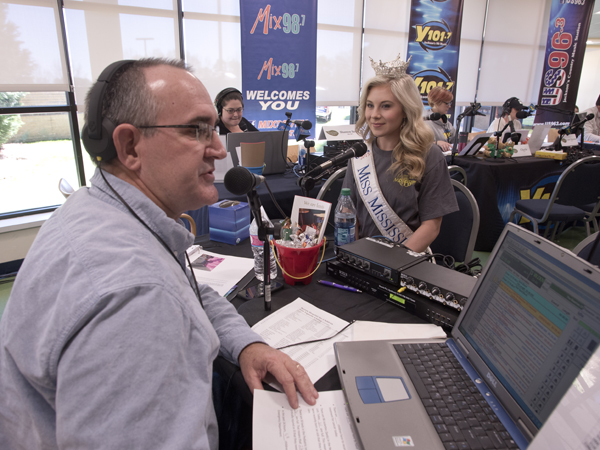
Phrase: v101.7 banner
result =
(565, 47)
(433, 44)
(279, 61)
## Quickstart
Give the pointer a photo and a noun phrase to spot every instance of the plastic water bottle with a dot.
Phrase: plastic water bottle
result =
(345, 220)
(258, 249)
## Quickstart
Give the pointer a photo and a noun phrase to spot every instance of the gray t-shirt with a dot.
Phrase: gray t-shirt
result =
(428, 199)
(442, 131)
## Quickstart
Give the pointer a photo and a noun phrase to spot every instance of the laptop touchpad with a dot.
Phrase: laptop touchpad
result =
(392, 389)
(381, 389)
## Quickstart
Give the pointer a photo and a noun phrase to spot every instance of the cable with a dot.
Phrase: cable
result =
(470, 267)
(336, 334)
(275, 201)
(164, 244)
(315, 340)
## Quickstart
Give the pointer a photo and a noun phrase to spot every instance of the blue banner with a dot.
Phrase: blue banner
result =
(279, 61)
(565, 48)
(433, 44)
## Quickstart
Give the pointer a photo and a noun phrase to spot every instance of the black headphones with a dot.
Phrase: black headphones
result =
(97, 132)
(221, 95)
(506, 108)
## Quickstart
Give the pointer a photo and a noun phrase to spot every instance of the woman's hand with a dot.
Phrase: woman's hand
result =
(445, 146)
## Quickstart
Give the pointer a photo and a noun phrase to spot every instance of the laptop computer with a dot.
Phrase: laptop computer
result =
(531, 323)
(475, 144)
(275, 148)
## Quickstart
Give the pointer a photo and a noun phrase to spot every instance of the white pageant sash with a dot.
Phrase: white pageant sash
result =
(388, 222)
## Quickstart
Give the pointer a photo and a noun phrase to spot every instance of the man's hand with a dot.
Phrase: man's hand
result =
(258, 359)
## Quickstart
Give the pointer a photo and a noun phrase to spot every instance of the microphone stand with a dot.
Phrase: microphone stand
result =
(308, 181)
(264, 231)
(456, 133)
(495, 159)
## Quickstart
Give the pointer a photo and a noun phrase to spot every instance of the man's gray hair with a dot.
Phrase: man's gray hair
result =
(128, 99)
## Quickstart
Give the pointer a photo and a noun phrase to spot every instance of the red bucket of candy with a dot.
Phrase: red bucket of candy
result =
(299, 264)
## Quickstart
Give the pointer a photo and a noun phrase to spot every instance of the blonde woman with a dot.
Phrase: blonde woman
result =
(401, 187)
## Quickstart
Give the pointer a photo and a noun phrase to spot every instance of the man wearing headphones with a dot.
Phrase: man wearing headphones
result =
(510, 108)
(107, 341)
(230, 107)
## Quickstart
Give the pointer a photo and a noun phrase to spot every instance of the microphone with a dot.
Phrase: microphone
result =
(306, 124)
(358, 149)
(471, 111)
(437, 116)
(523, 114)
(240, 181)
(573, 127)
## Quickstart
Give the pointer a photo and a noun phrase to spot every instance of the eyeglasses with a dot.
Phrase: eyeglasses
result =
(233, 111)
(448, 103)
(204, 131)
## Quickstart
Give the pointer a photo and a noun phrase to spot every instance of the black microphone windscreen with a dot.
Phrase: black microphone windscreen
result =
(589, 116)
(522, 114)
(239, 180)
(307, 125)
(360, 148)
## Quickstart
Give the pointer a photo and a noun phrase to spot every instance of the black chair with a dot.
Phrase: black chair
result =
(578, 186)
(458, 173)
(584, 248)
(458, 232)
(330, 192)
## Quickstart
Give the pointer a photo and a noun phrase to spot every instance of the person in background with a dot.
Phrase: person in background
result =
(107, 341)
(401, 186)
(510, 108)
(592, 127)
(440, 100)
(230, 107)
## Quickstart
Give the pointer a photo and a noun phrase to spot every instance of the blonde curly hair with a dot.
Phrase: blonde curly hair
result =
(416, 138)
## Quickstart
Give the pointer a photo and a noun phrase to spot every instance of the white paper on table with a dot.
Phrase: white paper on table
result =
(327, 424)
(220, 272)
(300, 321)
(375, 331)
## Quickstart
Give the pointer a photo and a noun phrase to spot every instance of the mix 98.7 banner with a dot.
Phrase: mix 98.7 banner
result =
(279, 61)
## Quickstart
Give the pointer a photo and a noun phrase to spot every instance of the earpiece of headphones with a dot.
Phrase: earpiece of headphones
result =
(97, 132)
(221, 95)
(506, 108)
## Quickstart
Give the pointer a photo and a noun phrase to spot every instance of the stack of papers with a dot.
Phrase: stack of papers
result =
(328, 423)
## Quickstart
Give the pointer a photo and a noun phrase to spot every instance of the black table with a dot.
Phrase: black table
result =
(231, 391)
(498, 186)
(343, 304)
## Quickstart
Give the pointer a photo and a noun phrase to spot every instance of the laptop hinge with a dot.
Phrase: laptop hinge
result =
(462, 348)
(525, 430)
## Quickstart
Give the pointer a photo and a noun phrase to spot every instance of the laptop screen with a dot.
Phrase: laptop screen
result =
(535, 323)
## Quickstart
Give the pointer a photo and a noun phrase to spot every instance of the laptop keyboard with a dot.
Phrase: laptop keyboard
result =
(458, 411)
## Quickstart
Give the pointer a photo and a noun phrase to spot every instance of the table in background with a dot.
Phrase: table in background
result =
(284, 187)
(498, 186)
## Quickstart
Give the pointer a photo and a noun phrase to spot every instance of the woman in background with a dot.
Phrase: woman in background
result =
(440, 100)
(230, 106)
(401, 187)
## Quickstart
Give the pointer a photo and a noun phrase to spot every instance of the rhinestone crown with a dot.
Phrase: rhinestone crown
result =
(392, 69)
